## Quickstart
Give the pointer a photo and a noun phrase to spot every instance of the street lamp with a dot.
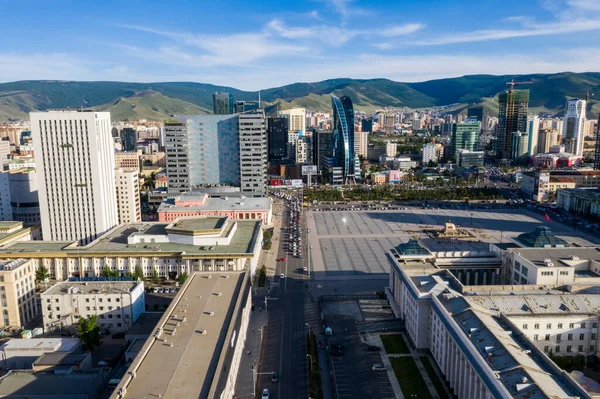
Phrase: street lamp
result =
(307, 325)
(311, 360)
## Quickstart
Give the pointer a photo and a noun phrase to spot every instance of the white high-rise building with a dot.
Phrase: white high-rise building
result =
(75, 172)
(361, 143)
(128, 195)
(574, 126)
(297, 117)
(391, 149)
(431, 152)
(533, 131)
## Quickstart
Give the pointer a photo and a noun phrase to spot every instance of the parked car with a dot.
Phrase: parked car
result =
(274, 376)
(372, 348)
(265, 394)
(378, 367)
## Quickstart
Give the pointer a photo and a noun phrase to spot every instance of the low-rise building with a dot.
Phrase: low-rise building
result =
(21, 384)
(466, 158)
(128, 159)
(540, 185)
(19, 354)
(197, 346)
(585, 202)
(203, 205)
(63, 361)
(17, 292)
(169, 249)
(118, 304)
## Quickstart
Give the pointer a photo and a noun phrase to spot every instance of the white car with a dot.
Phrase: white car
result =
(282, 275)
(265, 394)
(305, 269)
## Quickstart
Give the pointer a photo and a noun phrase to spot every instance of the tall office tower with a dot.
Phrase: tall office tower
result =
(367, 125)
(200, 150)
(597, 148)
(277, 138)
(128, 195)
(324, 150)
(129, 139)
(431, 153)
(223, 103)
(19, 196)
(475, 113)
(573, 126)
(464, 137)
(303, 153)
(361, 143)
(512, 117)
(4, 152)
(75, 172)
(546, 138)
(389, 125)
(246, 106)
(253, 154)
(343, 137)
(533, 128)
(297, 117)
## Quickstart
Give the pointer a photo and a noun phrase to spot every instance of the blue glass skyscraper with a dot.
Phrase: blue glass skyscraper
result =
(343, 136)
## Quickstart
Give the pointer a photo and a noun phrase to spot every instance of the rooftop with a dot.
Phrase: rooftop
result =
(61, 358)
(412, 247)
(203, 202)
(91, 287)
(188, 364)
(541, 237)
(115, 241)
(145, 324)
(196, 224)
(47, 385)
(564, 257)
(46, 344)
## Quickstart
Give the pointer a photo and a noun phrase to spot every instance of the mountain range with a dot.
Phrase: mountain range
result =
(157, 101)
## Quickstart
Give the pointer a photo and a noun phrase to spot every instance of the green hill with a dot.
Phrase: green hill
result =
(159, 100)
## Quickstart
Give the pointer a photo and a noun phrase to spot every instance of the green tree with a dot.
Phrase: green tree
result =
(182, 277)
(154, 275)
(42, 274)
(108, 272)
(138, 273)
(88, 331)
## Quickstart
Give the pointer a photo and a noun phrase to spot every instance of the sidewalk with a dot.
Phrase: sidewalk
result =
(326, 376)
(244, 384)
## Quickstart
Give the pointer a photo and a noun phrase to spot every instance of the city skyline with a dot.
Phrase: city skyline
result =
(247, 48)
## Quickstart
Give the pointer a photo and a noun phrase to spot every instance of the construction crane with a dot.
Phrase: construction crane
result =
(512, 84)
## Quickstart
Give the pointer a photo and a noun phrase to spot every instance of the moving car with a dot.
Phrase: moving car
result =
(373, 348)
(265, 394)
(274, 376)
(282, 275)
(378, 367)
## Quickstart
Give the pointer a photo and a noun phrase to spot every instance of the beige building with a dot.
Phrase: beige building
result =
(128, 159)
(17, 289)
(182, 246)
(361, 143)
(128, 195)
(547, 138)
(297, 119)
(154, 159)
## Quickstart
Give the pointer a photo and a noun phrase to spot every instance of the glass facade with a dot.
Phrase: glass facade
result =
(277, 137)
(343, 135)
(223, 103)
(464, 137)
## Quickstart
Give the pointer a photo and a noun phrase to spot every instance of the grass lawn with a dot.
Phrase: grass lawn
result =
(409, 378)
(439, 385)
(394, 344)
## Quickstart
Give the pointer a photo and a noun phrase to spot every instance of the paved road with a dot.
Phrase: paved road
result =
(285, 343)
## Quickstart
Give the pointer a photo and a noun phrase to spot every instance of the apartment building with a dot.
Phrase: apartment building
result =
(17, 292)
(128, 195)
(117, 304)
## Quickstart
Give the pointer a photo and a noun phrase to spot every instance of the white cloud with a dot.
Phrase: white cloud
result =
(401, 30)
(383, 46)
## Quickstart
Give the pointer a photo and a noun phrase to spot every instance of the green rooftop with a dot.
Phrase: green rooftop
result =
(412, 247)
(541, 237)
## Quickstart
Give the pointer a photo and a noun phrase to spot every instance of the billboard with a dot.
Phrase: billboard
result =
(297, 183)
(309, 170)
(275, 183)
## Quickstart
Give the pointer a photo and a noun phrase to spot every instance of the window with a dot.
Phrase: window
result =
(118, 299)
(87, 308)
(559, 325)
(582, 325)
(570, 337)
(101, 307)
(536, 326)
(546, 349)
(547, 337)
(557, 349)
(568, 348)
(99, 299)
(594, 325)
(535, 337)
(580, 348)
(524, 326)
(56, 300)
(549, 325)
(571, 325)
(581, 337)
(118, 324)
(564, 273)
(108, 299)
(87, 300)
(593, 337)
(110, 316)
(592, 348)
(547, 273)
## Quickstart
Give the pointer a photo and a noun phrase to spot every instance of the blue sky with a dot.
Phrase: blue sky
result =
(259, 44)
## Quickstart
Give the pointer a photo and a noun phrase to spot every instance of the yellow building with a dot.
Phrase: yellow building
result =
(17, 292)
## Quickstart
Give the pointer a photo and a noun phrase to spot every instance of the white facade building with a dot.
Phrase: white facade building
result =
(75, 170)
(574, 126)
(118, 304)
(361, 144)
(297, 119)
(4, 152)
(128, 195)
(391, 148)
(431, 153)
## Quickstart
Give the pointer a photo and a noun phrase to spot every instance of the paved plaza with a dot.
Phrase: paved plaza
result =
(354, 244)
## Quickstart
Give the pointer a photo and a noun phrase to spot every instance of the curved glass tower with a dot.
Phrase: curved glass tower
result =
(343, 135)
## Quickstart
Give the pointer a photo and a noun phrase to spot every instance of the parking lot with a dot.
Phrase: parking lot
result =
(354, 244)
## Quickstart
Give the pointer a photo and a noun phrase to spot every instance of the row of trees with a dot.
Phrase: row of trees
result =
(388, 193)
(42, 274)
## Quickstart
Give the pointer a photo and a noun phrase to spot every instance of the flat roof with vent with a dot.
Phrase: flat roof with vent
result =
(91, 287)
(191, 358)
